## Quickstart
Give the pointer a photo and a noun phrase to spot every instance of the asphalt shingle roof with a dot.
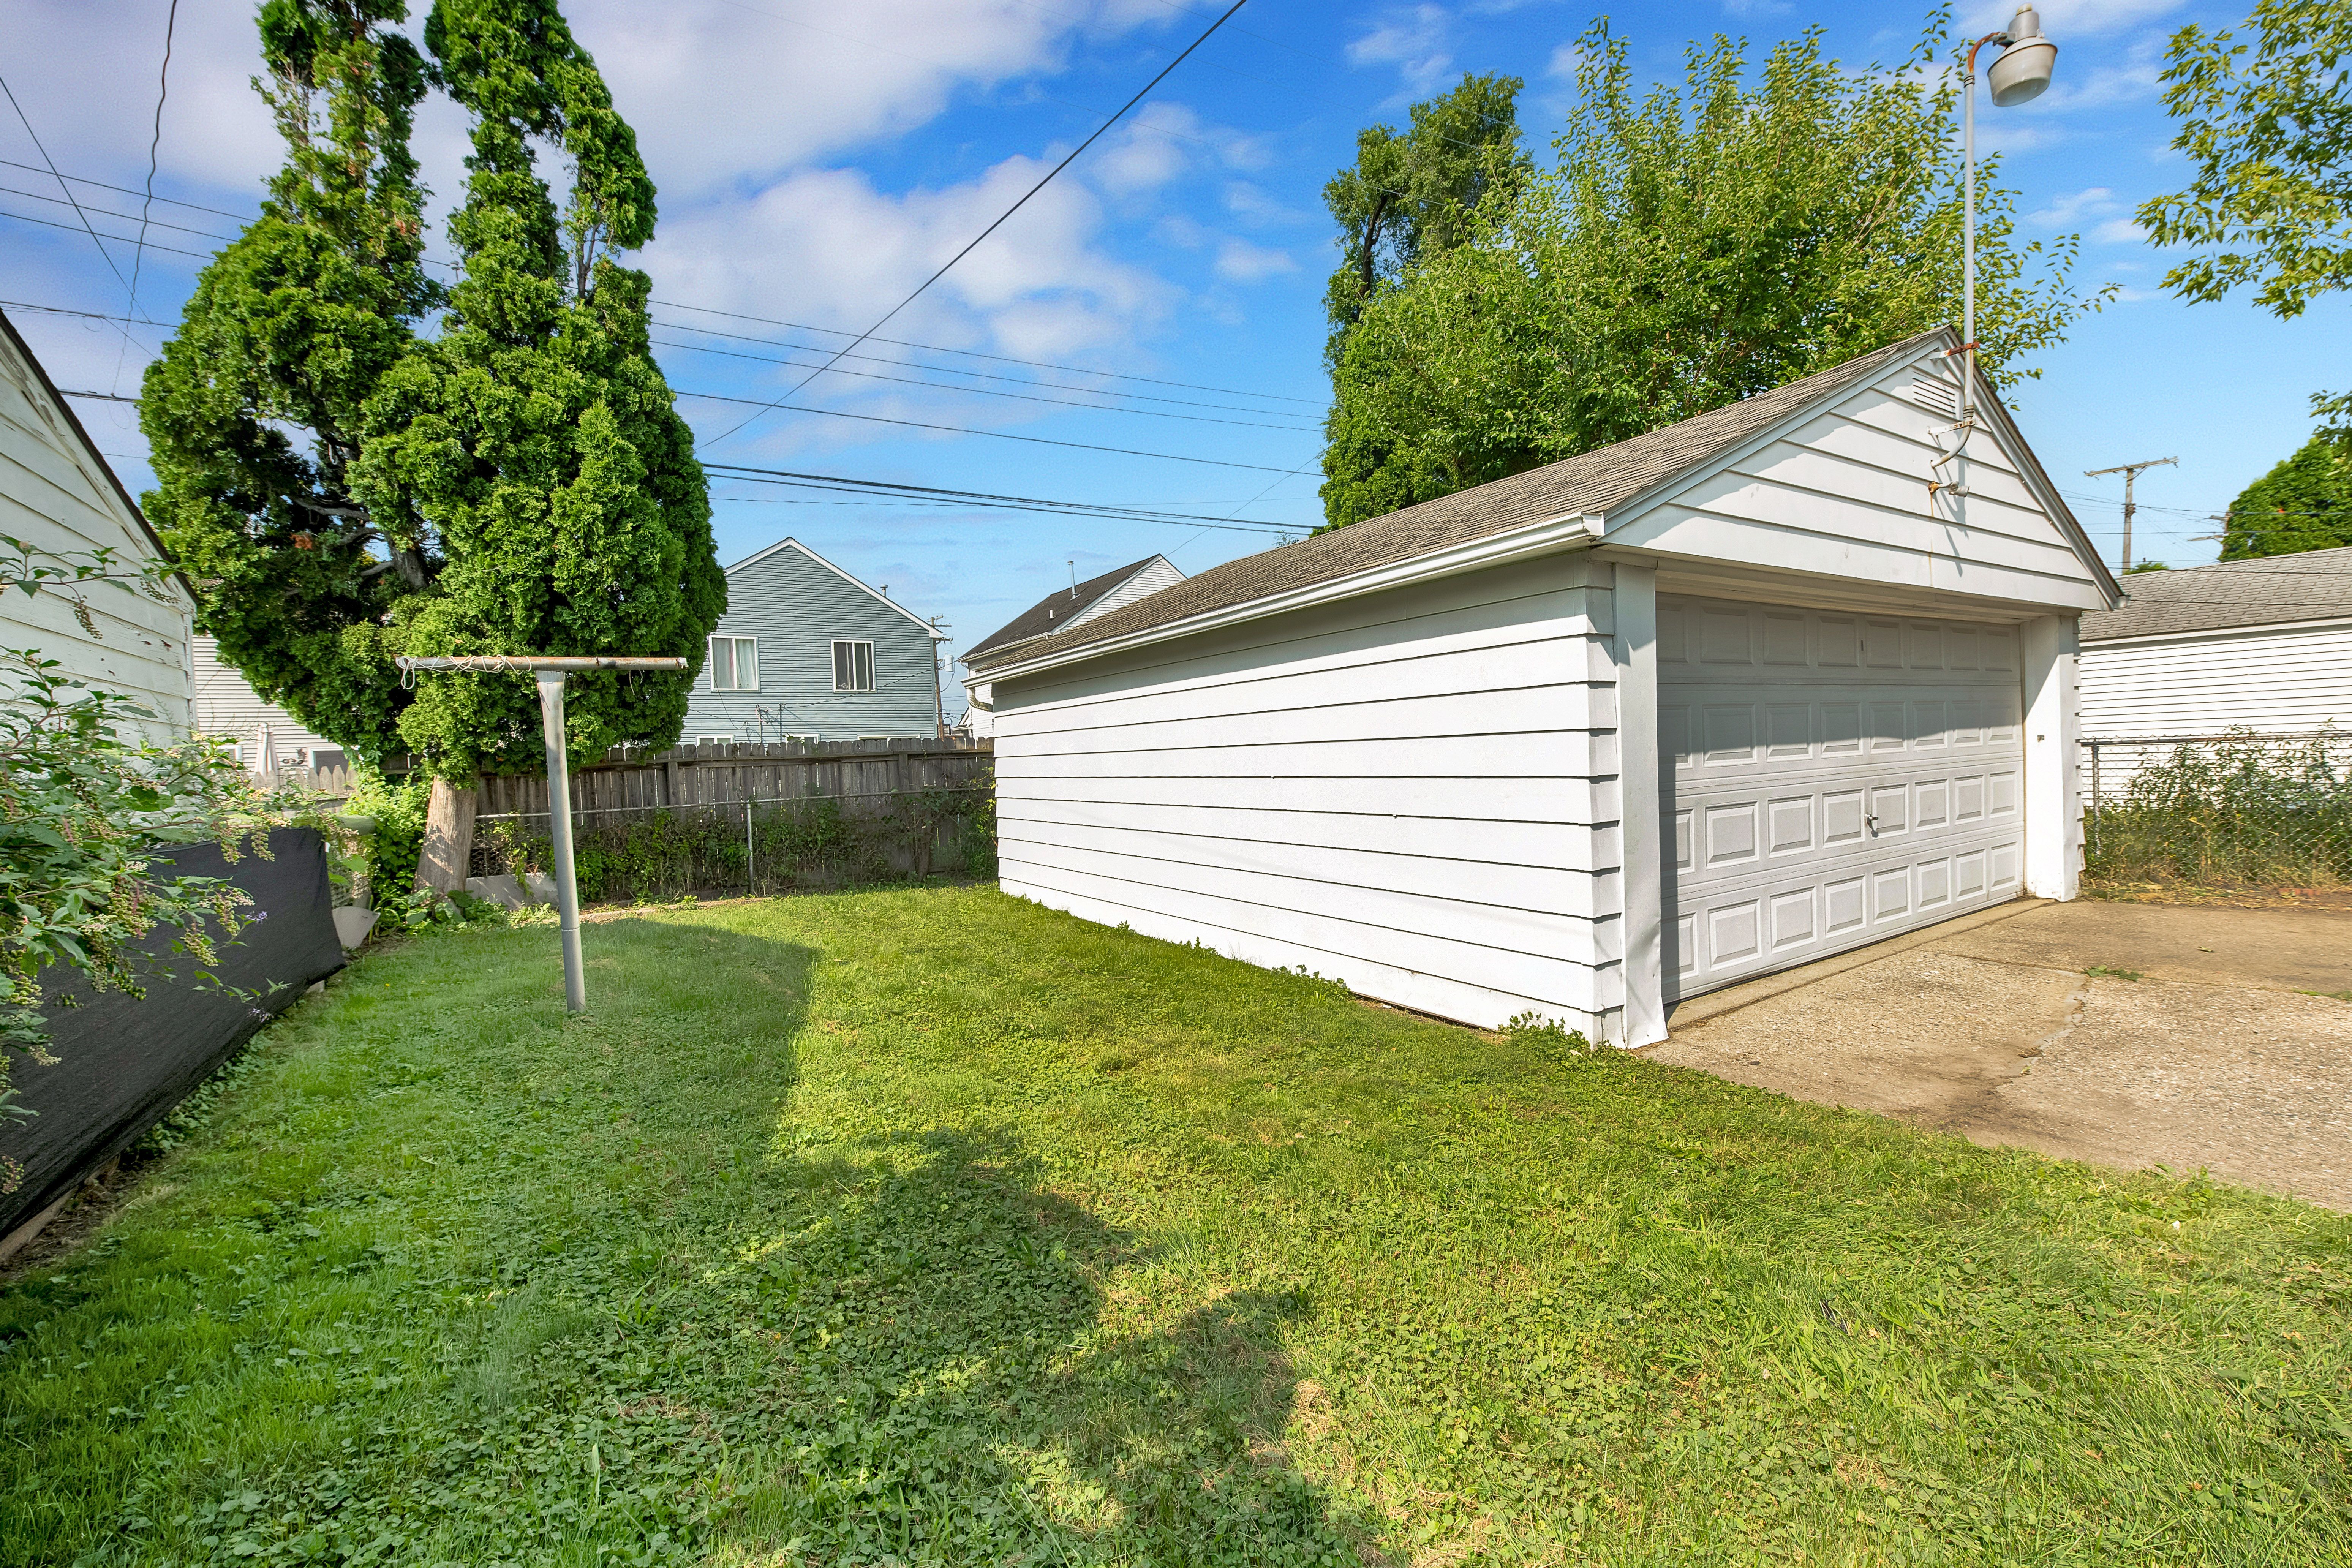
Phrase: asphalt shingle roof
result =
(2316, 585)
(1589, 483)
(1055, 609)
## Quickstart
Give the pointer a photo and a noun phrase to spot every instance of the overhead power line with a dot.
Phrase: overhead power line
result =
(104, 254)
(975, 354)
(967, 430)
(154, 147)
(1000, 218)
(92, 315)
(937, 494)
(83, 227)
(992, 376)
(986, 391)
(911, 424)
(126, 190)
(944, 386)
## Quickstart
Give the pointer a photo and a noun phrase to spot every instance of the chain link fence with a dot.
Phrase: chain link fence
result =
(2241, 809)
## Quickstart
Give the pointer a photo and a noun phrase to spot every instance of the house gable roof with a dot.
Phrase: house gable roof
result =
(2271, 590)
(1607, 479)
(1056, 609)
(861, 585)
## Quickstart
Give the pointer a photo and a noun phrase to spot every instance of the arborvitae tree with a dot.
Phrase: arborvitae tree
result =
(2304, 503)
(536, 435)
(254, 411)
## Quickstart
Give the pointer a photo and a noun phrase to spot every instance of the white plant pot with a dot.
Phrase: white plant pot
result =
(352, 925)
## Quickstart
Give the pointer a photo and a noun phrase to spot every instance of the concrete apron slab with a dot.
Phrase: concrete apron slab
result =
(1731, 998)
(1989, 1027)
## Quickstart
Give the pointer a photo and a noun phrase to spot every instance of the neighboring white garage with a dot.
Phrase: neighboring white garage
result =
(2262, 644)
(1776, 681)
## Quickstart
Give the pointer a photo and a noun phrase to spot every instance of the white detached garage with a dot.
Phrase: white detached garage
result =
(1777, 681)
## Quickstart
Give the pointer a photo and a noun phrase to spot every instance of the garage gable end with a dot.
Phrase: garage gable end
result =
(1880, 485)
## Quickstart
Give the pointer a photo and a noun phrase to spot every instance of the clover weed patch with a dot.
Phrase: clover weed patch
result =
(927, 1226)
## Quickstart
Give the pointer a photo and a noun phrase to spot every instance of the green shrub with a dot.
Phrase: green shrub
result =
(398, 807)
(2236, 810)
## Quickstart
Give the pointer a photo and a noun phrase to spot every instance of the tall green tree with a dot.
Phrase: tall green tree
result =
(536, 434)
(2304, 503)
(1416, 193)
(255, 410)
(2268, 129)
(1691, 246)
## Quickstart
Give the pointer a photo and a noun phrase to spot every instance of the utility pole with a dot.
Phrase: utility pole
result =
(939, 684)
(2130, 471)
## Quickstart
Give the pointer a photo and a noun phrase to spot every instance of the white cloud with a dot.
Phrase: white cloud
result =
(840, 252)
(1254, 204)
(92, 99)
(1239, 261)
(1164, 140)
(1411, 38)
(724, 93)
(2063, 17)
(2119, 231)
(2090, 202)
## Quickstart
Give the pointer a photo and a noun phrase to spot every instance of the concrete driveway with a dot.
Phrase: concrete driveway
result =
(2127, 1034)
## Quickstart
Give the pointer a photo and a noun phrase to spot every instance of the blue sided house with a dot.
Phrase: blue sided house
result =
(805, 651)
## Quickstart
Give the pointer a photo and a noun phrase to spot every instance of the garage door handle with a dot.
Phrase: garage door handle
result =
(1872, 819)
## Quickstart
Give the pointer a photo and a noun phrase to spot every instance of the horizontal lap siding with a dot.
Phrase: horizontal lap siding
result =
(2264, 678)
(1414, 793)
(227, 704)
(796, 606)
(2271, 681)
(55, 497)
(1847, 494)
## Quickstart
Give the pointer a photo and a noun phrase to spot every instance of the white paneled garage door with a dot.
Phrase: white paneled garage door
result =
(1836, 779)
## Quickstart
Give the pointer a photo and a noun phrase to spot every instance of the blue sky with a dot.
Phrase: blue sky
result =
(816, 162)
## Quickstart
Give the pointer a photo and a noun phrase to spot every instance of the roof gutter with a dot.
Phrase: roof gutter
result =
(1575, 531)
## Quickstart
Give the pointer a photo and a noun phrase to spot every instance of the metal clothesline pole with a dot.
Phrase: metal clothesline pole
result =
(550, 672)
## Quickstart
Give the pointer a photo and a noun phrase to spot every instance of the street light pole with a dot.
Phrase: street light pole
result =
(2020, 75)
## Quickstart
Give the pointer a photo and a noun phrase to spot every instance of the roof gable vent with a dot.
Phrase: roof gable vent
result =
(1937, 395)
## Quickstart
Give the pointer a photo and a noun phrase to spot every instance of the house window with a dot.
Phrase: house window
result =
(734, 664)
(853, 667)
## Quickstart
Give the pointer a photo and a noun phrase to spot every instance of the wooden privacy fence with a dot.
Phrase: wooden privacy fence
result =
(728, 775)
(761, 817)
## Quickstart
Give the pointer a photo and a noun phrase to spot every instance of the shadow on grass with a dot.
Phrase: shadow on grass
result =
(550, 1290)
(954, 1393)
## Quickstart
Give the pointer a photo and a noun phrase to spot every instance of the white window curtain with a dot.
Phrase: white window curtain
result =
(734, 664)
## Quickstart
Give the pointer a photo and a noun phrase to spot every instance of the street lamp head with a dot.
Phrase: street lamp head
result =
(2022, 72)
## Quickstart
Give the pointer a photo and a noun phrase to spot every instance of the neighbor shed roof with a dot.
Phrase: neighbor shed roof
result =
(1587, 484)
(2316, 585)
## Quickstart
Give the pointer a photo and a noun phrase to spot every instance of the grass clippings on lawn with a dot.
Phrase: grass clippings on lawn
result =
(930, 1226)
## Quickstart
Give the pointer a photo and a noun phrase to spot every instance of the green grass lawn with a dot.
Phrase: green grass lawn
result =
(930, 1226)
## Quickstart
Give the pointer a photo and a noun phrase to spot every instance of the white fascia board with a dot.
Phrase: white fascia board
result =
(1575, 532)
(2211, 634)
(791, 543)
